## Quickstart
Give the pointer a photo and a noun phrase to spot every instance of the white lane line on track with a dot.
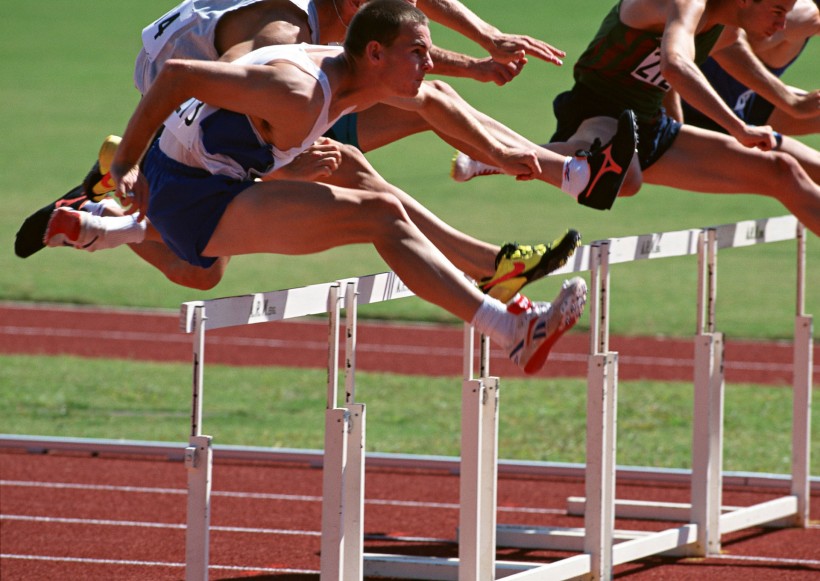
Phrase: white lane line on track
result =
(85, 560)
(764, 560)
(152, 525)
(262, 496)
(133, 336)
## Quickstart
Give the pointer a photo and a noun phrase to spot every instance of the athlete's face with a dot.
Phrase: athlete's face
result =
(408, 60)
(763, 18)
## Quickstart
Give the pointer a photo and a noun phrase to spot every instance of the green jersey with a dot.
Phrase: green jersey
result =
(622, 65)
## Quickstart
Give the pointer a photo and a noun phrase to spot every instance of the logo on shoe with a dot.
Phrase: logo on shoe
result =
(518, 268)
(68, 201)
(608, 166)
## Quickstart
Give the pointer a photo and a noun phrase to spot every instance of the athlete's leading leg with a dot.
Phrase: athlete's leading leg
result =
(705, 161)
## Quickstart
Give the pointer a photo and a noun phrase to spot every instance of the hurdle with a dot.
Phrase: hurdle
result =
(600, 546)
(343, 465)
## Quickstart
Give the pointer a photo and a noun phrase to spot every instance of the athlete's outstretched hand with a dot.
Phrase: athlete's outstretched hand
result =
(132, 188)
(514, 47)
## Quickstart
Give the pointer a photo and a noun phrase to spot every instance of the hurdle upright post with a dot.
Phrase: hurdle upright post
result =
(707, 430)
(802, 387)
(599, 514)
(353, 517)
(198, 462)
(337, 422)
(479, 466)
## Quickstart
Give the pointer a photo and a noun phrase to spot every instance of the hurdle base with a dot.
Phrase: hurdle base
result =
(444, 569)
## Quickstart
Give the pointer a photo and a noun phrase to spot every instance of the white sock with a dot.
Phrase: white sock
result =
(95, 208)
(485, 168)
(119, 230)
(576, 175)
(493, 319)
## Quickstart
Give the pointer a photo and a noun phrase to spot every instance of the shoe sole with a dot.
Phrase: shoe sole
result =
(571, 302)
(554, 259)
(29, 239)
(622, 157)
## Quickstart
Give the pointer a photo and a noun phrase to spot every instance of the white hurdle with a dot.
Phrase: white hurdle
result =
(599, 546)
(343, 467)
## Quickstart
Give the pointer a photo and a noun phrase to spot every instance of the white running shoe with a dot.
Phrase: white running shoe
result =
(464, 168)
(69, 227)
(542, 325)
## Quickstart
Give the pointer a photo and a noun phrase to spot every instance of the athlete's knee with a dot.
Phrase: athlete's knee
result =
(196, 277)
(632, 181)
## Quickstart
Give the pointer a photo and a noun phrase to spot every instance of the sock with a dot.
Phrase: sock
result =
(576, 175)
(121, 230)
(493, 319)
(486, 169)
(99, 208)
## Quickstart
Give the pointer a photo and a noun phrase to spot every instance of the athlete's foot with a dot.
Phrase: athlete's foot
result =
(30, 235)
(69, 227)
(608, 164)
(464, 168)
(517, 265)
(96, 185)
(540, 327)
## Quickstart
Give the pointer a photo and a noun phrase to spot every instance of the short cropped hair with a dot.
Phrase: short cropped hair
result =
(380, 20)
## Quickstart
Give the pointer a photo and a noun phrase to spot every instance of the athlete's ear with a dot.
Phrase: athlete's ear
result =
(374, 51)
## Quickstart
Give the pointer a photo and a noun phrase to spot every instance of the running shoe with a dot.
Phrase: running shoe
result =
(96, 185)
(517, 265)
(540, 327)
(608, 164)
(69, 227)
(464, 168)
(30, 235)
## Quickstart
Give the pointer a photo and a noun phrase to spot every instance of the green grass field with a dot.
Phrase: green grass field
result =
(67, 84)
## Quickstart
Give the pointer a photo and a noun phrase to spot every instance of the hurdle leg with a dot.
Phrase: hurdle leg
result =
(478, 480)
(353, 517)
(707, 443)
(801, 418)
(599, 516)
(199, 462)
(337, 423)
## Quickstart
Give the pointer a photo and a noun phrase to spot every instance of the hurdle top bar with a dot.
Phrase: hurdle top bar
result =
(291, 303)
(313, 300)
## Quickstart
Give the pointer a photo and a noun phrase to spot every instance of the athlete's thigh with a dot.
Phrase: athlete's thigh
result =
(291, 217)
(383, 124)
(700, 160)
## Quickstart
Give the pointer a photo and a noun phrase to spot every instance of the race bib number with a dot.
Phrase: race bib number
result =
(649, 71)
(156, 34)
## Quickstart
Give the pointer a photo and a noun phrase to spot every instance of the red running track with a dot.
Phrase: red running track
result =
(405, 349)
(76, 516)
(67, 516)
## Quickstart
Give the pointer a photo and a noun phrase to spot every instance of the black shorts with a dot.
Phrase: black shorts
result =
(756, 112)
(573, 107)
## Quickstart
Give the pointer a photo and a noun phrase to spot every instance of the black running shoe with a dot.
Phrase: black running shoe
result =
(96, 185)
(608, 164)
(30, 235)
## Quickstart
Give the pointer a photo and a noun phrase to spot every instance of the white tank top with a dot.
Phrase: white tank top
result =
(186, 140)
(188, 31)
